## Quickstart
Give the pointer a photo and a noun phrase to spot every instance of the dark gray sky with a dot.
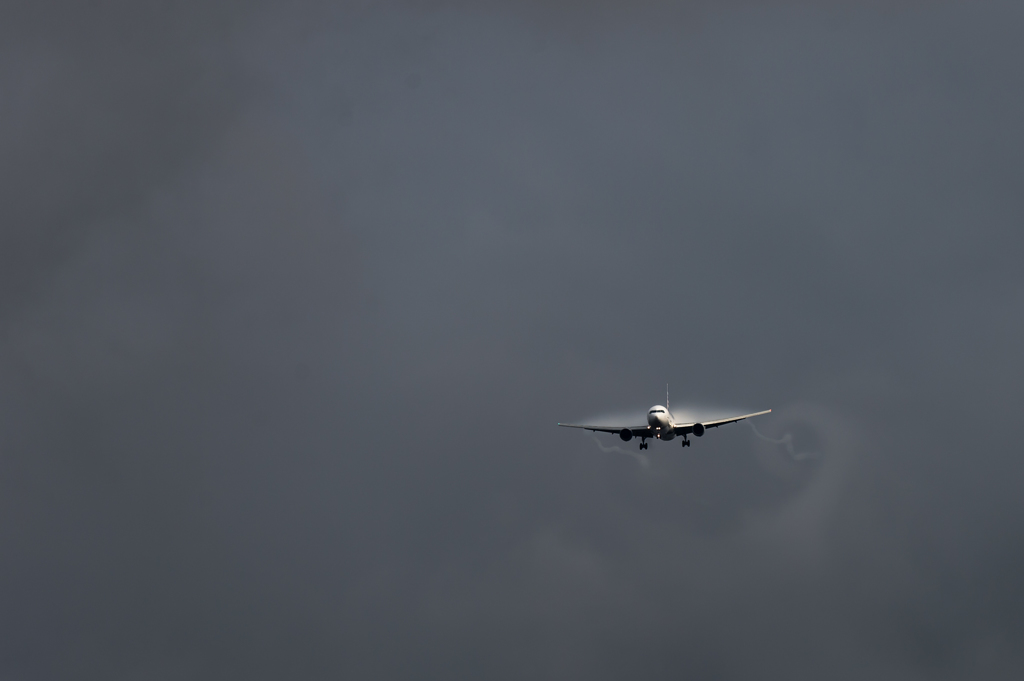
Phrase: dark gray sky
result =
(292, 296)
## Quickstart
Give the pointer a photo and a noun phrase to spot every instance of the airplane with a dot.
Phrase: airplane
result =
(662, 426)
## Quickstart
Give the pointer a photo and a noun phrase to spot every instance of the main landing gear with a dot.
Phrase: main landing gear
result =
(644, 444)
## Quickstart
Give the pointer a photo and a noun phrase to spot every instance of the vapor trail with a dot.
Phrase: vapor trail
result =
(644, 461)
(786, 441)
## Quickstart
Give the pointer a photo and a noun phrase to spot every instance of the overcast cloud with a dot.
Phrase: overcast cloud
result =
(293, 295)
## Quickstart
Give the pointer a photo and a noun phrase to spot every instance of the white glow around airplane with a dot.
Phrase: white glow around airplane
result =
(661, 426)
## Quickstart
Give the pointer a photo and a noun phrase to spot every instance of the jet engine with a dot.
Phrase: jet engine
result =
(698, 429)
(626, 434)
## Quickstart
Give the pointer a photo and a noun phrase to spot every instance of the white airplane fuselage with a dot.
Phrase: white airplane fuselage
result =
(660, 420)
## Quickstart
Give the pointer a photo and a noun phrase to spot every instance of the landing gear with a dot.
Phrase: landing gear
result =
(685, 443)
(643, 445)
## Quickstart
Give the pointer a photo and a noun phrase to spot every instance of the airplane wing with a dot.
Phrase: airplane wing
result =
(687, 428)
(638, 431)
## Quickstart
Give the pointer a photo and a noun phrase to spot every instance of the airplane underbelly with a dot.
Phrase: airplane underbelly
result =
(662, 430)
